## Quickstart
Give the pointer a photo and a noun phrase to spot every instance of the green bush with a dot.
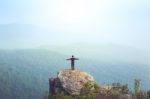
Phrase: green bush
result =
(148, 94)
(89, 91)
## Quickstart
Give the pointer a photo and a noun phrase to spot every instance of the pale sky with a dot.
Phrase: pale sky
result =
(125, 22)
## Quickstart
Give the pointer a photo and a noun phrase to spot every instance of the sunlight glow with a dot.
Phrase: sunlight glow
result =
(68, 11)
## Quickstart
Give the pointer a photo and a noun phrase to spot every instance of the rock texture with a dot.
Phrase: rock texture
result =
(72, 81)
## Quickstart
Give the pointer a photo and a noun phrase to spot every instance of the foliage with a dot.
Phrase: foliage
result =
(60, 96)
(118, 88)
(148, 94)
(24, 74)
(137, 88)
(89, 91)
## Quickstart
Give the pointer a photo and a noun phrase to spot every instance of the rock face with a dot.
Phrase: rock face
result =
(71, 81)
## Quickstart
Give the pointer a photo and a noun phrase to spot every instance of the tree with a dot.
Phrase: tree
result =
(89, 91)
(125, 89)
(137, 88)
(148, 94)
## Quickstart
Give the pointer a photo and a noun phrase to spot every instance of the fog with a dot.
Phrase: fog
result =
(35, 23)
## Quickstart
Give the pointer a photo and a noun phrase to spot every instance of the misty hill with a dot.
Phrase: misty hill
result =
(116, 62)
(24, 73)
(105, 52)
(20, 35)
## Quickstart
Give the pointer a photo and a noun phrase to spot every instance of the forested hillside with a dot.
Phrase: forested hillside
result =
(24, 73)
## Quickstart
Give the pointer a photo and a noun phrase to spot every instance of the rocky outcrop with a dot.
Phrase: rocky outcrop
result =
(71, 81)
(76, 82)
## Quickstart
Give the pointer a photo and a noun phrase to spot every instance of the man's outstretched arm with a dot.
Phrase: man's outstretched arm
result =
(68, 59)
(76, 58)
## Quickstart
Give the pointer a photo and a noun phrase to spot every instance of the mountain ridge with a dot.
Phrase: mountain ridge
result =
(26, 72)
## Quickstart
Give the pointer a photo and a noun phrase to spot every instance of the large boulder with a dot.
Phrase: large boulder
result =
(73, 81)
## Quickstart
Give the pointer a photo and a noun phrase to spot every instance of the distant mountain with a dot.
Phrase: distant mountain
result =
(24, 73)
(17, 30)
(20, 36)
(105, 52)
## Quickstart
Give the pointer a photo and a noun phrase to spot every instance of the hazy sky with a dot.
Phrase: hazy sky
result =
(124, 22)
